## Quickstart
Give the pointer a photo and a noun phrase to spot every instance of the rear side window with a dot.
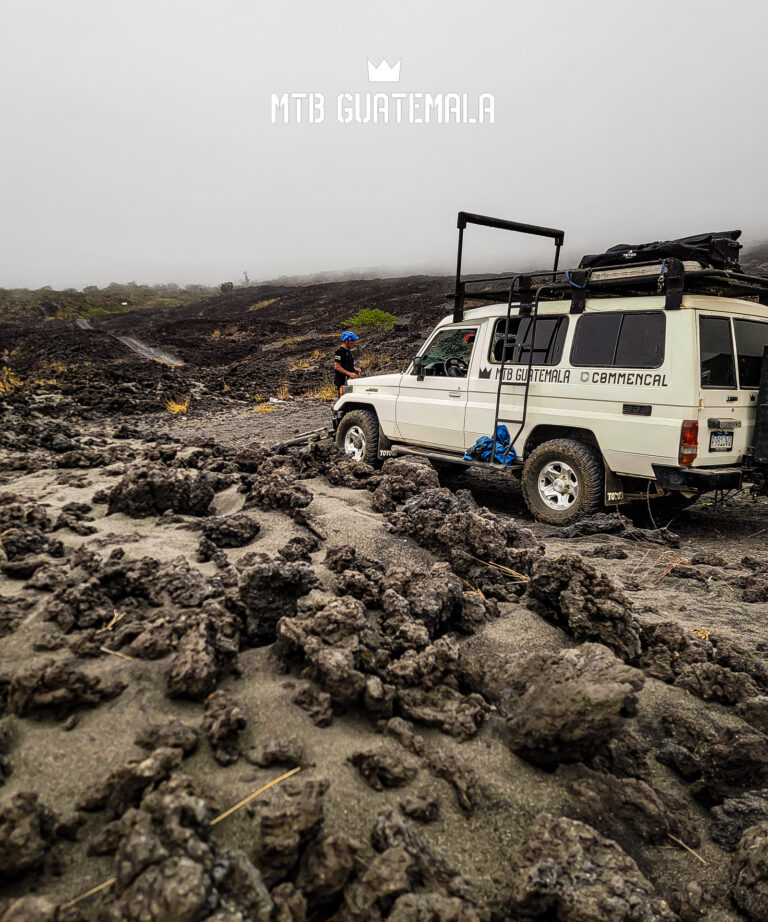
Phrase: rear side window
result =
(548, 340)
(622, 340)
(751, 339)
(717, 366)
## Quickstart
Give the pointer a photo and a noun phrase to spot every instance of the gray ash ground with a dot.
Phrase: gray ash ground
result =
(186, 613)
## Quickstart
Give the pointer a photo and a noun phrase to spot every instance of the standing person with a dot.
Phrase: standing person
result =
(344, 362)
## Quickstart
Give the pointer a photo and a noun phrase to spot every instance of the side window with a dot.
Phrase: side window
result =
(449, 352)
(751, 339)
(548, 340)
(717, 366)
(634, 339)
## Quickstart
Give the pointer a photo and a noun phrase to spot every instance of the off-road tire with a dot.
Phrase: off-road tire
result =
(366, 423)
(586, 465)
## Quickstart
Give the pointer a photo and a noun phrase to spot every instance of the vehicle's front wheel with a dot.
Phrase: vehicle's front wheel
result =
(563, 481)
(358, 435)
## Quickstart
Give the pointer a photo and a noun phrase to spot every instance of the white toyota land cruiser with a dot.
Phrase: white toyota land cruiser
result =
(618, 382)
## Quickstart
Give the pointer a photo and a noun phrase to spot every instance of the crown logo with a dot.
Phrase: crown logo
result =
(485, 372)
(383, 73)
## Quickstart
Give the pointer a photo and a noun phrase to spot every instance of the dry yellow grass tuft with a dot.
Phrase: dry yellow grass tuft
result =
(283, 393)
(8, 381)
(266, 408)
(326, 392)
(297, 365)
(374, 361)
(175, 407)
(265, 303)
(216, 334)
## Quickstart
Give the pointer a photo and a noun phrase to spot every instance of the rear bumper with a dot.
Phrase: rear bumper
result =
(697, 479)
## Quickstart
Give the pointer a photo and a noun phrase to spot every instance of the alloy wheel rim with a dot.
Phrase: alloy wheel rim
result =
(354, 442)
(558, 486)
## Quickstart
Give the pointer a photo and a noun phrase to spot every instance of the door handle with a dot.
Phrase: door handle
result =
(454, 393)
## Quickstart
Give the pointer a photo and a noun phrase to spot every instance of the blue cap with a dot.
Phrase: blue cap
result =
(348, 336)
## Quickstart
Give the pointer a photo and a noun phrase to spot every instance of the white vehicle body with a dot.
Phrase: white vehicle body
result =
(665, 370)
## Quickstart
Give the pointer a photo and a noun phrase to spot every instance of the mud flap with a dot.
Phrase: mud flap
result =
(385, 446)
(614, 489)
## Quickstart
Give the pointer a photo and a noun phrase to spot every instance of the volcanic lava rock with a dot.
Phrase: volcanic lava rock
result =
(713, 682)
(279, 490)
(299, 548)
(734, 761)
(461, 777)
(316, 703)
(570, 872)
(276, 752)
(679, 759)
(124, 786)
(668, 649)
(454, 713)
(560, 707)
(430, 867)
(326, 866)
(232, 530)
(382, 769)
(467, 535)
(621, 805)
(269, 589)
(55, 690)
(402, 478)
(735, 815)
(168, 865)
(172, 734)
(587, 605)
(330, 641)
(27, 540)
(205, 652)
(421, 807)
(289, 903)
(749, 873)
(287, 825)
(30, 909)
(24, 567)
(413, 907)
(370, 897)
(755, 712)
(10, 616)
(223, 722)
(95, 587)
(154, 489)
(27, 832)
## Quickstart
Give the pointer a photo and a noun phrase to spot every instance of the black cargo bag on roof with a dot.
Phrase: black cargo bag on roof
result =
(720, 251)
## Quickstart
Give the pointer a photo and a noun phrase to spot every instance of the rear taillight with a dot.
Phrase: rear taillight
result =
(689, 441)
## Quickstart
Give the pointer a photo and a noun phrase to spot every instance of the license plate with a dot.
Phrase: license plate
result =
(721, 441)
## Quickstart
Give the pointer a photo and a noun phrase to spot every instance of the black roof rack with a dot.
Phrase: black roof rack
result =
(670, 277)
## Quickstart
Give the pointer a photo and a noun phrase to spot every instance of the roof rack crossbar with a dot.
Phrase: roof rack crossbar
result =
(465, 218)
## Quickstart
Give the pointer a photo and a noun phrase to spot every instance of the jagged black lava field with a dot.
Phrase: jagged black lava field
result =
(470, 716)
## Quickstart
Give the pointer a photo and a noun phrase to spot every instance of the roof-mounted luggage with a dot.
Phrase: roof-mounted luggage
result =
(718, 251)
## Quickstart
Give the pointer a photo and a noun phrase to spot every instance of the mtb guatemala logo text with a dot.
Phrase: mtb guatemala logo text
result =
(372, 108)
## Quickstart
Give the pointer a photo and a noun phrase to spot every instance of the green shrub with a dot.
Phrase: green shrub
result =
(372, 318)
(226, 286)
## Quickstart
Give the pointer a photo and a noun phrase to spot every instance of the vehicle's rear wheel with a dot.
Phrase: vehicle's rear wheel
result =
(563, 481)
(358, 435)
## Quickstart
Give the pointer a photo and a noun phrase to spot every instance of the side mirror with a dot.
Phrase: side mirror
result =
(418, 367)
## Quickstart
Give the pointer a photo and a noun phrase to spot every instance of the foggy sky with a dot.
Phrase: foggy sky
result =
(137, 144)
